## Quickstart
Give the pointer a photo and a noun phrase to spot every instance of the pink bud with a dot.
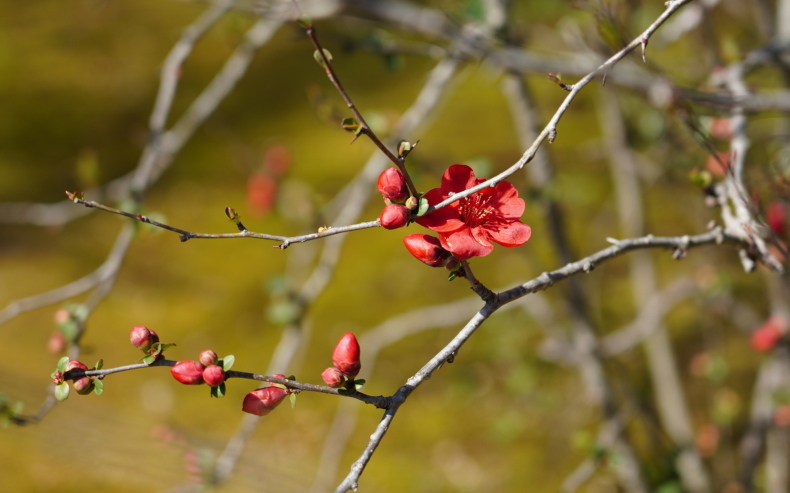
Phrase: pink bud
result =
(57, 342)
(74, 365)
(142, 338)
(263, 401)
(84, 385)
(208, 357)
(346, 355)
(394, 216)
(392, 185)
(214, 375)
(188, 372)
(766, 337)
(333, 377)
(427, 249)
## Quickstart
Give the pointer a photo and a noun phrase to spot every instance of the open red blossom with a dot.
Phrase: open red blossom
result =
(468, 226)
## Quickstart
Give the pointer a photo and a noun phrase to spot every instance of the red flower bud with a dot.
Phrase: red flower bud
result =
(394, 216)
(392, 185)
(214, 375)
(74, 365)
(57, 342)
(188, 372)
(346, 355)
(142, 338)
(333, 377)
(427, 249)
(263, 401)
(766, 337)
(84, 385)
(208, 357)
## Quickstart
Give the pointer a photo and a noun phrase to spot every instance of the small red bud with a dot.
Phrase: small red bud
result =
(394, 216)
(392, 185)
(188, 372)
(208, 357)
(263, 401)
(74, 365)
(346, 355)
(333, 377)
(427, 249)
(213, 375)
(57, 342)
(142, 338)
(84, 385)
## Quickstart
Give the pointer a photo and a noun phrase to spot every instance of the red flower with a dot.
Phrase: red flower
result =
(346, 355)
(468, 226)
(426, 249)
(767, 336)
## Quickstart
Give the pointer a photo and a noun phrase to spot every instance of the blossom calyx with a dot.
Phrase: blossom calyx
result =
(394, 216)
(142, 338)
(392, 185)
(188, 372)
(346, 355)
(427, 249)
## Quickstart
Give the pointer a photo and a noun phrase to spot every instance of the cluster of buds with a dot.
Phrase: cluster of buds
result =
(209, 369)
(346, 364)
(261, 402)
(400, 203)
(147, 341)
(82, 384)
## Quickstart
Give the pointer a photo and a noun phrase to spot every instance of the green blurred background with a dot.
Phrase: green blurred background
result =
(77, 83)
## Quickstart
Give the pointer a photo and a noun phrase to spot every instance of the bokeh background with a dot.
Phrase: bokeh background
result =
(78, 81)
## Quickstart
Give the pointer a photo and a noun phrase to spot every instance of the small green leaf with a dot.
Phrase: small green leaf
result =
(62, 391)
(423, 207)
(98, 387)
(218, 391)
(62, 363)
(320, 59)
(292, 398)
(98, 365)
(149, 359)
(227, 362)
(304, 22)
(350, 125)
(358, 384)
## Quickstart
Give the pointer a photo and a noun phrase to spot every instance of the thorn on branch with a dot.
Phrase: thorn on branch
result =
(644, 47)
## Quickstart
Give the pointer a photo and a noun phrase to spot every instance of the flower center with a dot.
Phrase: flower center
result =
(476, 209)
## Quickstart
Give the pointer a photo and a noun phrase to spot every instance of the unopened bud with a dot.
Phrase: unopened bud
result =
(346, 355)
(213, 375)
(84, 385)
(142, 338)
(208, 357)
(392, 185)
(394, 216)
(333, 377)
(427, 249)
(263, 401)
(188, 372)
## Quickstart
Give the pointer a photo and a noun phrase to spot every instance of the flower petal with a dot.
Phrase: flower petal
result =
(505, 200)
(511, 234)
(458, 178)
(444, 219)
(464, 244)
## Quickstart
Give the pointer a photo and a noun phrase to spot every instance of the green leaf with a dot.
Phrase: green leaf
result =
(62, 391)
(358, 384)
(62, 363)
(318, 58)
(350, 125)
(149, 359)
(98, 365)
(304, 22)
(218, 391)
(423, 207)
(292, 398)
(227, 362)
(98, 387)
